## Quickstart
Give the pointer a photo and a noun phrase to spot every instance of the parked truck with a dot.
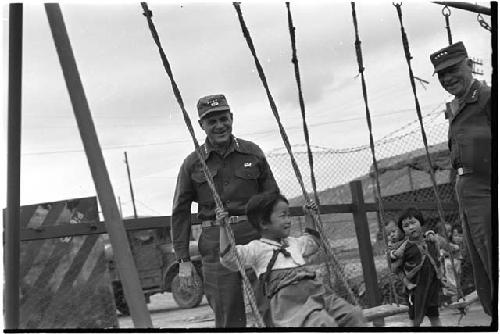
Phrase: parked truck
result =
(157, 268)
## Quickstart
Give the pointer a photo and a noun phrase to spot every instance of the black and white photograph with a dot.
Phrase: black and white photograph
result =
(223, 166)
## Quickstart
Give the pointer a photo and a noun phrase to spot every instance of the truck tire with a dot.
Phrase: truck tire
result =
(190, 297)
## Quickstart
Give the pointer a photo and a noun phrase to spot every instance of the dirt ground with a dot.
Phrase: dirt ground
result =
(166, 314)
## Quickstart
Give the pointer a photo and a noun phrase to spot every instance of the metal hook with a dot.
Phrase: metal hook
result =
(446, 11)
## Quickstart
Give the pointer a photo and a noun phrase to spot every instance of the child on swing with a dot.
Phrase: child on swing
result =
(289, 294)
(419, 259)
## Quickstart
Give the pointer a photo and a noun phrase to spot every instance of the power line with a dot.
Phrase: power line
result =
(318, 124)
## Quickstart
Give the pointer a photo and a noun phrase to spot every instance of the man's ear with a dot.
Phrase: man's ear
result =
(469, 63)
(231, 115)
(200, 122)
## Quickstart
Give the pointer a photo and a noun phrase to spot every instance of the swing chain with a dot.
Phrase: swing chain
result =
(482, 22)
(446, 13)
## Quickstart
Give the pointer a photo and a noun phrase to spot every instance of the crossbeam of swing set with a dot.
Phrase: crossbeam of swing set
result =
(466, 6)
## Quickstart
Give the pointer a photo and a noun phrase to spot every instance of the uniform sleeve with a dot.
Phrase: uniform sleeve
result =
(181, 212)
(488, 110)
(246, 253)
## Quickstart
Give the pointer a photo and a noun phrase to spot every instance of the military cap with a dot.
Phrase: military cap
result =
(209, 104)
(448, 56)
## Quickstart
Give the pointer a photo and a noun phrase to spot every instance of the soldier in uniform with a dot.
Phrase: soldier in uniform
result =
(239, 170)
(469, 140)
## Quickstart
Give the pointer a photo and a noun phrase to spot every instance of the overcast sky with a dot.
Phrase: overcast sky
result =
(134, 109)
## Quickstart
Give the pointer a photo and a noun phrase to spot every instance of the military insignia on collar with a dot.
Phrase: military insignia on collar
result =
(247, 164)
(474, 93)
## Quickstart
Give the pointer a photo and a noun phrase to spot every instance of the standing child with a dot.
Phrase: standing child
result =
(420, 261)
(290, 294)
(396, 244)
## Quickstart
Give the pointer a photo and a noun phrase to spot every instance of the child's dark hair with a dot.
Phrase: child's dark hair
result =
(260, 207)
(408, 213)
(458, 228)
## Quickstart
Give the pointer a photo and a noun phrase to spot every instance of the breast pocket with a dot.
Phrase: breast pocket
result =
(203, 192)
(246, 178)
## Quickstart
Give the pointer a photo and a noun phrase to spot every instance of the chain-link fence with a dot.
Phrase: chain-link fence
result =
(403, 176)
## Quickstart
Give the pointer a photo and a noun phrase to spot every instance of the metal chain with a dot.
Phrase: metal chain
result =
(483, 23)
(295, 62)
(218, 202)
(446, 13)
(338, 270)
(361, 69)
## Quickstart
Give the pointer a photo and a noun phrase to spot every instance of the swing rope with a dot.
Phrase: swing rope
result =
(218, 202)
(419, 114)
(310, 157)
(359, 56)
(446, 13)
(338, 270)
(424, 136)
(295, 62)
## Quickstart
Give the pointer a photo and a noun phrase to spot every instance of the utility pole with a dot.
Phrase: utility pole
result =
(120, 207)
(476, 66)
(130, 185)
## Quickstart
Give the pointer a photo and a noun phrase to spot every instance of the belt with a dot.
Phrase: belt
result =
(232, 220)
(463, 171)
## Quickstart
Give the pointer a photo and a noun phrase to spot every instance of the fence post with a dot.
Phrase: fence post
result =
(365, 247)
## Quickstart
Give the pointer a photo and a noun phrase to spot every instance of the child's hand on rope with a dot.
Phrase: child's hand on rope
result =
(221, 215)
(311, 208)
(431, 236)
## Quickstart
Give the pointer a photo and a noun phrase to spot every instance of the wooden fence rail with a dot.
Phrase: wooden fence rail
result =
(164, 221)
(358, 208)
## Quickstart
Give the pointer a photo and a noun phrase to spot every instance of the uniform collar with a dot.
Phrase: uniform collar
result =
(472, 95)
(208, 148)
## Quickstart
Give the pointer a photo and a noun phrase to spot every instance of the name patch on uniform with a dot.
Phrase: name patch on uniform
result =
(248, 164)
